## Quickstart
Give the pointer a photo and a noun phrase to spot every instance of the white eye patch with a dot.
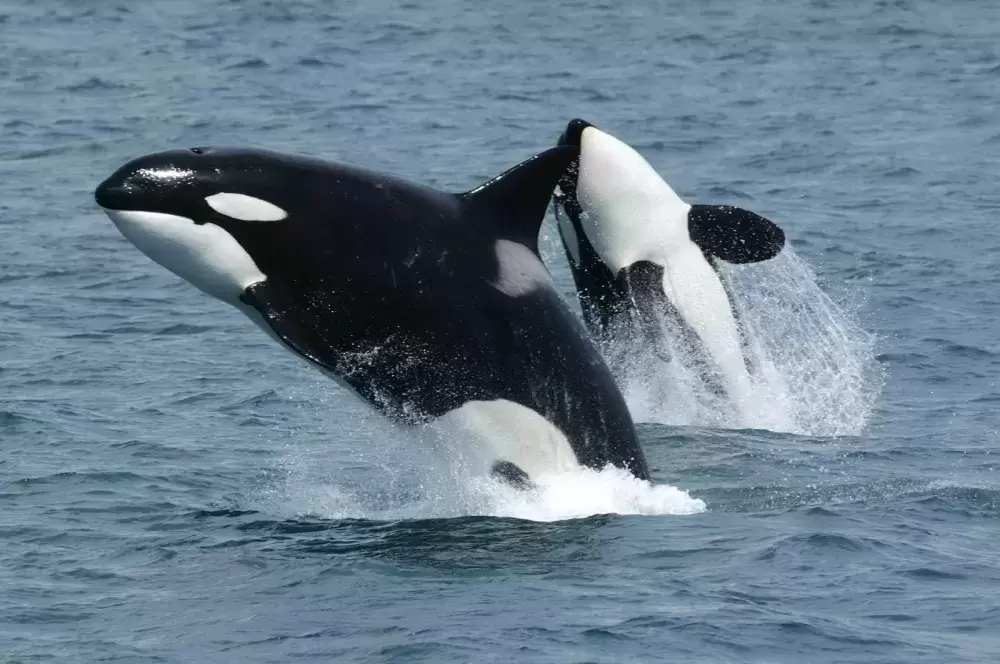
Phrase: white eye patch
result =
(245, 208)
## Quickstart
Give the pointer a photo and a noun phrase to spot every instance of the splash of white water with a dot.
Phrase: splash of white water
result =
(558, 497)
(421, 473)
(815, 369)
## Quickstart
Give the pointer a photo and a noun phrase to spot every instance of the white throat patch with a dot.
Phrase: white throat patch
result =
(205, 255)
(630, 213)
(245, 208)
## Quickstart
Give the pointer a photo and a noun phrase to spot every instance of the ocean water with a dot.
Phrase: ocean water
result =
(174, 487)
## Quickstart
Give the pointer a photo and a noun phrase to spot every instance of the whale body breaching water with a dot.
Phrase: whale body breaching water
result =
(645, 264)
(429, 306)
(684, 301)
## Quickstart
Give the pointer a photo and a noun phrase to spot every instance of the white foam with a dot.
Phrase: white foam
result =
(387, 472)
(556, 497)
(584, 493)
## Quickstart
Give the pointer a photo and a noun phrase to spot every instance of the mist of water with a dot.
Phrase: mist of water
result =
(814, 366)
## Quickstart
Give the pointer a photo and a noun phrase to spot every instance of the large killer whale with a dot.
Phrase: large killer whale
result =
(429, 306)
(638, 252)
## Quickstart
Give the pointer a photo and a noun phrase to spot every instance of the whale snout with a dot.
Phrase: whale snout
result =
(147, 183)
(574, 132)
(113, 194)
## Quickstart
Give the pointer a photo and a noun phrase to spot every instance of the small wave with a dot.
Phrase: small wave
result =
(311, 62)
(930, 574)
(794, 545)
(253, 403)
(9, 418)
(726, 193)
(149, 450)
(901, 172)
(895, 30)
(97, 478)
(95, 83)
(956, 349)
(691, 38)
(250, 63)
(183, 328)
(966, 500)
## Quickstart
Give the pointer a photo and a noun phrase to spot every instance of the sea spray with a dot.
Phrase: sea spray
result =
(424, 472)
(814, 367)
(813, 354)
(570, 495)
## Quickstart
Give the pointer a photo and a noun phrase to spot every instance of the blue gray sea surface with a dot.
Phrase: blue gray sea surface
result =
(174, 487)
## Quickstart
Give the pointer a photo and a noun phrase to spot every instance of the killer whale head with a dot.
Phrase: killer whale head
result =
(629, 204)
(224, 218)
(202, 213)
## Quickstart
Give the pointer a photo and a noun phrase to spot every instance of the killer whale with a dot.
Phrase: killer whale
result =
(429, 306)
(638, 252)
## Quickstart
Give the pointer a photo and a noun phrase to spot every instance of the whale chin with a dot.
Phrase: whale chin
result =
(205, 255)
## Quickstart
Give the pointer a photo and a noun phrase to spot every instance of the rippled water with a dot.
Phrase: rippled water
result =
(175, 487)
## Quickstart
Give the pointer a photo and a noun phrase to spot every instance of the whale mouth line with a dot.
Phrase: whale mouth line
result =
(112, 198)
(131, 214)
(110, 211)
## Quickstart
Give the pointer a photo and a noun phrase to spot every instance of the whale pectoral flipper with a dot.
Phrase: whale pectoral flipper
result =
(272, 309)
(733, 234)
(512, 474)
(641, 283)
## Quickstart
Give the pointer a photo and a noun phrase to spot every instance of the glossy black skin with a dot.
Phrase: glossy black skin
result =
(389, 285)
(633, 299)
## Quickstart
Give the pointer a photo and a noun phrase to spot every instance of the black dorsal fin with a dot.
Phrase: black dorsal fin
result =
(517, 199)
(733, 234)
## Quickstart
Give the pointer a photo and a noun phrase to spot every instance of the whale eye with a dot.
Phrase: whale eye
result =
(198, 150)
(245, 208)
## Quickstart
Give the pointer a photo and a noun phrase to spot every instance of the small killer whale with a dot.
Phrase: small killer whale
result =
(637, 251)
(429, 306)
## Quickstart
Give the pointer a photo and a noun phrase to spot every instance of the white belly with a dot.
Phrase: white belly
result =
(486, 432)
(696, 291)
